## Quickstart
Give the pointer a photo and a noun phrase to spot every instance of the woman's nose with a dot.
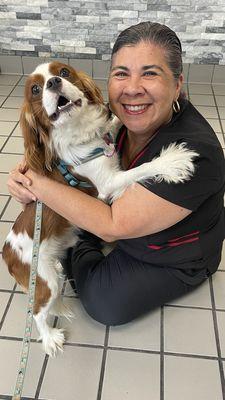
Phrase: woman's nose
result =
(133, 86)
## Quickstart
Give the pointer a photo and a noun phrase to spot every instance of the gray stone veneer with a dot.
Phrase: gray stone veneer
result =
(87, 29)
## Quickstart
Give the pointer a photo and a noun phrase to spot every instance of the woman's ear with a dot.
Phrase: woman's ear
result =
(90, 89)
(179, 85)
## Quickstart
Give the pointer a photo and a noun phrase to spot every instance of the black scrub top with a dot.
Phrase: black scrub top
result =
(192, 247)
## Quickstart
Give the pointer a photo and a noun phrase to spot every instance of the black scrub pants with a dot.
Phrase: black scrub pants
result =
(117, 288)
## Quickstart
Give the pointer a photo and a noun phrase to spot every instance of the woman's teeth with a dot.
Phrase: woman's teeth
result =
(135, 108)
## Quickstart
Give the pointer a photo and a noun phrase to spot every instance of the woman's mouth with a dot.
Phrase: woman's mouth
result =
(135, 109)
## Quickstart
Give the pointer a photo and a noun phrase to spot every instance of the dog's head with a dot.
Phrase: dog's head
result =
(54, 94)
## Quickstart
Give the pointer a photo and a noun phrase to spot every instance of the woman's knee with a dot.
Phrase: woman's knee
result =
(104, 307)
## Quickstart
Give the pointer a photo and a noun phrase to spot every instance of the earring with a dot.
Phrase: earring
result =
(176, 106)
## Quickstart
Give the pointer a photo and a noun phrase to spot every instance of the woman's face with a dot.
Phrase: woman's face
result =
(142, 88)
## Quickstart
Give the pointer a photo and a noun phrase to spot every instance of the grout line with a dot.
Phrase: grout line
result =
(11, 154)
(14, 87)
(9, 397)
(165, 305)
(217, 108)
(215, 323)
(104, 355)
(125, 349)
(162, 353)
(4, 208)
(41, 378)
(7, 308)
(212, 76)
(7, 221)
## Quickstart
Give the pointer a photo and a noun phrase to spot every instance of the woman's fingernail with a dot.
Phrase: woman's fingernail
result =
(34, 198)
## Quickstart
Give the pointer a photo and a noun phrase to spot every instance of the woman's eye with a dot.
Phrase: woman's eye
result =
(36, 90)
(150, 73)
(64, 73)
(120, 74)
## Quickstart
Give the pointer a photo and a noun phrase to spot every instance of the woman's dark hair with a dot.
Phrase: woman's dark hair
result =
(158, 34)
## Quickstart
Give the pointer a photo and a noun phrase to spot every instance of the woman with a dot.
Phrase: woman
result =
(169, 236)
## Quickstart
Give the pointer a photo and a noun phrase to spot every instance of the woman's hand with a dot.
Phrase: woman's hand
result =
(17, 184)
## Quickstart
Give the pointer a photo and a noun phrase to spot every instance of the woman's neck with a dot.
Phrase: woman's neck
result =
(133, 145)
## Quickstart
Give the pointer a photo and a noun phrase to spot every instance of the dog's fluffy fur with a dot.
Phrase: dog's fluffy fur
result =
(64, 117)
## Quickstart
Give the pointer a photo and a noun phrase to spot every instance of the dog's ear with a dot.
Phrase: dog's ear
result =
(90, 89)
(38, 155)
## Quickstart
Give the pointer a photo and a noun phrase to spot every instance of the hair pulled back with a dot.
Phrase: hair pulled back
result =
(158, 34)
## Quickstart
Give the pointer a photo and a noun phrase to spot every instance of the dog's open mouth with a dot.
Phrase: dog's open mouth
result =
(64, 104)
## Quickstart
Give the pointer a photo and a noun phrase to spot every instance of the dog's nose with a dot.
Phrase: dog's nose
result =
(54, 83)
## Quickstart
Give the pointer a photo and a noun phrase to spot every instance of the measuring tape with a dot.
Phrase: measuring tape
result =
(31, 298)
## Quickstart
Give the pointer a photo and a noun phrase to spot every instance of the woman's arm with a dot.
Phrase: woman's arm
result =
(137, 213)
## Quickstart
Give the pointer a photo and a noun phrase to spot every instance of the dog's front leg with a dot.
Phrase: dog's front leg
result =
(174, 165)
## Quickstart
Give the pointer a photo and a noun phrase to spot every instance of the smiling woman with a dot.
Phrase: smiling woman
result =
(169, 235)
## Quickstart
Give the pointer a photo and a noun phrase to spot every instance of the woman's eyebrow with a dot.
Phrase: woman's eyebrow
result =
(119, 67)
(144, 68)
(152, 66)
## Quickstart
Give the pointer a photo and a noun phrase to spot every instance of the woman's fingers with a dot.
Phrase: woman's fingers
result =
(15, 184)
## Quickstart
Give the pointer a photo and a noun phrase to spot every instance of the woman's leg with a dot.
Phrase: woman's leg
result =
(117, 288)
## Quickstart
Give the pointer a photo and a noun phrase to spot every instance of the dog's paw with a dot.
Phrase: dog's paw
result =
(53, 341)
(175, 163)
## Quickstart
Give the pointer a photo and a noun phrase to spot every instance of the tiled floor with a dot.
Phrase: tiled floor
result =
(176, 352)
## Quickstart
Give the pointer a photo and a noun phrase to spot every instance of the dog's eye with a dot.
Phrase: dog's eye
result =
(36, 89)
(64, 73)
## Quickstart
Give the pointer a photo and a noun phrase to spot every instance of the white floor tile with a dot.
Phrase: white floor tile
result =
(13, 102)
(131, 375)
(10, 352)
(81, 329)
(222, 112)
(200, 89)
(221, 324)
(2, 141)
(73, 375)
(6, 280)
(4, 297)
(219, 289)
(199, 297)
(5, 90)
(15, 320)
(215, 124)
(3, 201)
(143, 333)
(17, 131)
(220, 101)
(6, 127)
(9, 114)
(14, 145)
(207, 112)
(191, 379)
(189, 331)
(12, 211)
(8, 162)
(219, 89)
(202, 100)
(3, 185)
(9, 79)
(18, 91)
(2, 99)
(4, 230)
(221, 139)
(223, 124)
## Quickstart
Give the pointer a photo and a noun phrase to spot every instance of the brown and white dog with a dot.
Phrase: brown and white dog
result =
(64, 117)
